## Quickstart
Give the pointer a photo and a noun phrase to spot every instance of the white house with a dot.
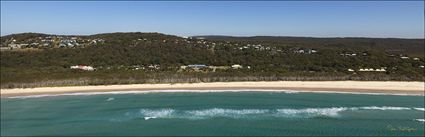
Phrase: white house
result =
(83, 67)
(183, 67)
(380, 70)
(236, 66)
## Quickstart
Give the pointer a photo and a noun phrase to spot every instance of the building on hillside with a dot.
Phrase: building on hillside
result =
(311, 51)
(155, 66)
(382, 69)
(183, 67)
(17, 46)
(236, 66)
(299, 51)
(83, 67)
(404, 57)
(14, 46)
(197, 66)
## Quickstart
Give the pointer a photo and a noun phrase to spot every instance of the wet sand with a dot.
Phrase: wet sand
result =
(374, 87)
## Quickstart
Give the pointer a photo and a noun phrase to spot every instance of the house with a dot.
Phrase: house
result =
(236, 66)
(17, 46)
(214, 68)
(34, 44)
(310, 51)
(14, 46)
(154, 66)
(183, 67)
(349, 54)
(83, 67)
(299, 51)
(350, 70)
(404, 57)
(367, 69)
(380, 70)
(197, 66)
(417, 59)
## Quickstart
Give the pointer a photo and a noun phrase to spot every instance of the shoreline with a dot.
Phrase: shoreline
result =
(350, 87)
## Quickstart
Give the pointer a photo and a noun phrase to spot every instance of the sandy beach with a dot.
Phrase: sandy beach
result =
(391, 87)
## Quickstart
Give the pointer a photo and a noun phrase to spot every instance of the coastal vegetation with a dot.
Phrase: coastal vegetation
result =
(34, 60)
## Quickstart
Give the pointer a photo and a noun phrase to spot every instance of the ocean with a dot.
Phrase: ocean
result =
(214, 114)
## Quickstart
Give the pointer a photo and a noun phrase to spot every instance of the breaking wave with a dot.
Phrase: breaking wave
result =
(420, 120)
(311, 112)
(110, 99)
(157, 113)
(385, 108)
(219, 112)
(331, 112)
(420, 109)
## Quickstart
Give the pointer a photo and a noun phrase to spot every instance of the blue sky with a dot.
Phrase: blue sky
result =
(237, 18)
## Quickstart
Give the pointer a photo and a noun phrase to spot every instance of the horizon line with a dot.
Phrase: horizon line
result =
(219, 35)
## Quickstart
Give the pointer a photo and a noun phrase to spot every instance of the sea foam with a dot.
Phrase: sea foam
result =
(311, 112)
(420, 109)
(420, 120)
(332, 112)
(161, 113)
(220, 112)
(384, 108)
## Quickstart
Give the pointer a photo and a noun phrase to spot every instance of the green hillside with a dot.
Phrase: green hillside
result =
(31, 59)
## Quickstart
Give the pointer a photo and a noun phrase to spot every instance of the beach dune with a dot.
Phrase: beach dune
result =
(388, 87)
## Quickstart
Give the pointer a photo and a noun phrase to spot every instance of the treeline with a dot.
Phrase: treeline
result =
(406, 46)
(170, 77)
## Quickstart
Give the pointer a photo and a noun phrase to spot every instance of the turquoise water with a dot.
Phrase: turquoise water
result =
(214, 114)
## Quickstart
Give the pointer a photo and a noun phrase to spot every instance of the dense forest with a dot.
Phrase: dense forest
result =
(127, 58)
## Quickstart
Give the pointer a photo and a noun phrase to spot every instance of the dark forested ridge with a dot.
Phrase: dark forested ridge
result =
(32, 59)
